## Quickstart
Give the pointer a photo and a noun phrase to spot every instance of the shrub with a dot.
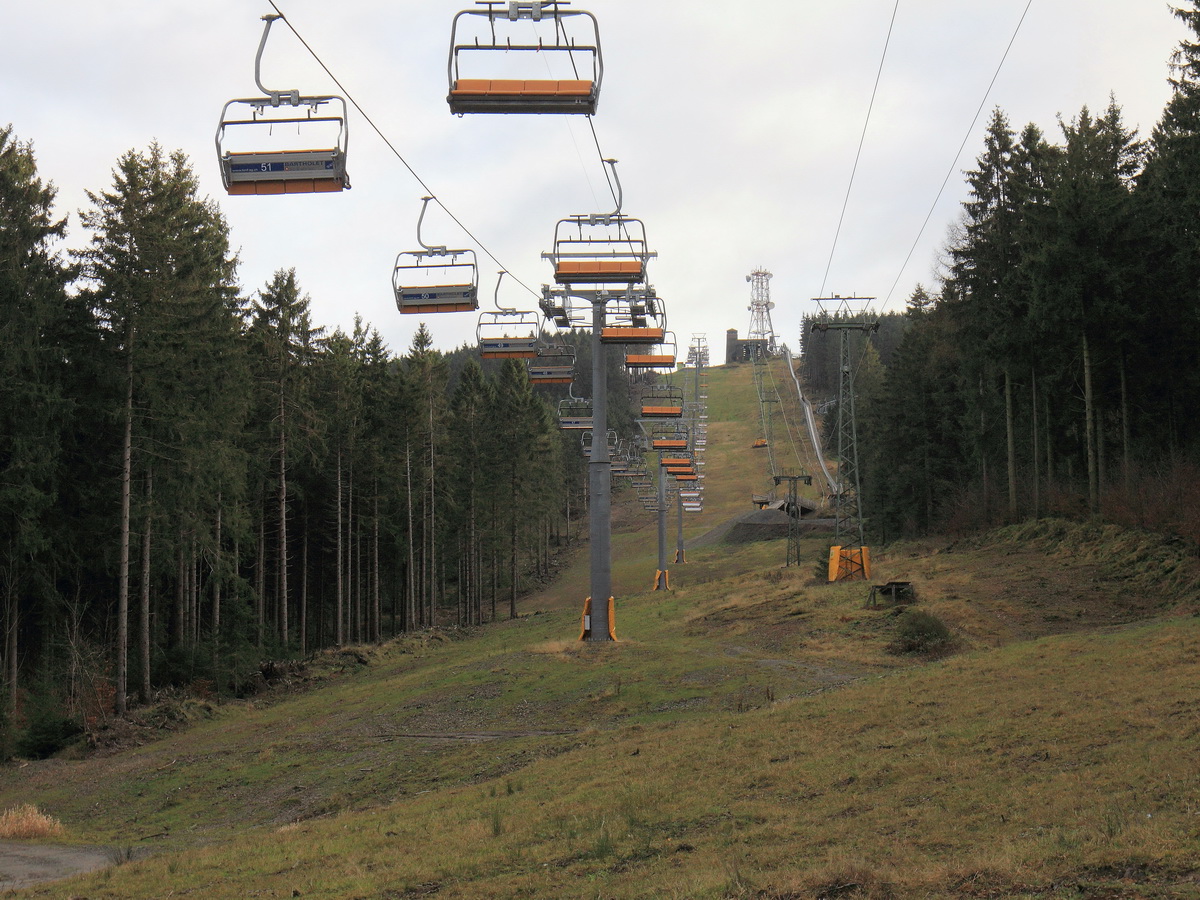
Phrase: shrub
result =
(921, 632)
(48, 729)
(25, 822)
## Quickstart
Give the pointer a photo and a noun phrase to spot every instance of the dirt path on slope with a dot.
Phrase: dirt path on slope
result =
(22, 865)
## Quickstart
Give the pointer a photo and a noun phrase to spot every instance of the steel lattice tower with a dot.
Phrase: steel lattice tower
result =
(793, 511)
(848, 314)
(760, 307)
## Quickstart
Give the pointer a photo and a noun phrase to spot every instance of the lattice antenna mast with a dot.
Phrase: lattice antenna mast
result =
(844, 315)
(761, 328)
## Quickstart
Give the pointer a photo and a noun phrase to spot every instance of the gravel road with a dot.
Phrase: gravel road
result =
(24, 864)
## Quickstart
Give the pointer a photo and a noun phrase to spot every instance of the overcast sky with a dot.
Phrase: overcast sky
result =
(735, 124)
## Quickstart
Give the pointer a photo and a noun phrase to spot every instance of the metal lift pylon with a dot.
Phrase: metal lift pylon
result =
(844, 319)
(599, 615)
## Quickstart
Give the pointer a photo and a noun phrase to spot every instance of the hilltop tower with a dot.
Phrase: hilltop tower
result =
(760, 307)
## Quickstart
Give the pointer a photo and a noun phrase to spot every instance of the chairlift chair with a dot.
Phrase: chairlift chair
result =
(637, 317)
(436, 282)
(554, 364)
(493, 46)
(678, 459)
(636, 469)
(587, 438)
(268, 166)
(435, 279)
(671, 436)
(664, 358)
(507, 333)
(600, 248)
(628, 471)
(556, 305)
(575, 414)
(663, 401)
(622, 458)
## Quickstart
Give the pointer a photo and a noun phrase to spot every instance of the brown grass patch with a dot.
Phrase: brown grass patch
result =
(26, 822)
(556, 648)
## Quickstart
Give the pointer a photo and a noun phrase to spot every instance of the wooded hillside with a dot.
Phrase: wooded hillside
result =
(197, 478)
(1054, 368)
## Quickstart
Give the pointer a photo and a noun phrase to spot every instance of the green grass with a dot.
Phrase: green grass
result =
(1071, 754)
(751, 735)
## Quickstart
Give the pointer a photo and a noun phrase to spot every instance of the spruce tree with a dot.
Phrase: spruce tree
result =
(33, 409)
(163, 294)
(1087, 254)
(1168, 209)
(285, 340)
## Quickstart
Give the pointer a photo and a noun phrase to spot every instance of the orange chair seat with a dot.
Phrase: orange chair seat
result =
(599, 267)
(648, 360)
(507, 87)
(619, 335)
(425, 308)
(286, 186)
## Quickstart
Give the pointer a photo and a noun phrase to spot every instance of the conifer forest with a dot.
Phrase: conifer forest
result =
(198, 477)
(1054, 369)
